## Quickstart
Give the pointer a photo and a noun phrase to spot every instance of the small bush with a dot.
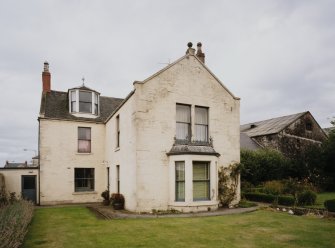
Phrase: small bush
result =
(117, 201)
(260, 197)
(306, 197)
(274, 187)
(246, 204)
(330, 205)
(14, 221)
(286, 200)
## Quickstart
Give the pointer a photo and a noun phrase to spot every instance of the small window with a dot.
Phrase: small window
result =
(117, 131)
(180, 181)
(118, 179)
(201, 124)
(73, 102)
(84, 139)
(84, 179)
(309, 126)
(85, 102)
(201, 181)
(96, 105)
(183, 122)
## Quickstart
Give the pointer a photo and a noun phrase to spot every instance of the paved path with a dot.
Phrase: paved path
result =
(107, 212)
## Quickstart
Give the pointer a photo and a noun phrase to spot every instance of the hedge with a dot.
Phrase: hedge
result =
(260, 197)
(14, 221)
(285, 200)
(330, 205)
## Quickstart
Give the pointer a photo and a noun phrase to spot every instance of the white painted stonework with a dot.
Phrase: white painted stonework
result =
(147, 127)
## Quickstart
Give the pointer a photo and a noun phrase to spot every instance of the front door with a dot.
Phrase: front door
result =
(29, 188)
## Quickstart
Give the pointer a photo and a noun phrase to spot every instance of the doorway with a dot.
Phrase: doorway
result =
(29, 188)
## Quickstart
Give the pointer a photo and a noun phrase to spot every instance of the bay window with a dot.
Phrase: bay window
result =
(83, 102)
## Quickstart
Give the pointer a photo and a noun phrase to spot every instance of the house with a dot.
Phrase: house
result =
(289, 134)
(161, 146)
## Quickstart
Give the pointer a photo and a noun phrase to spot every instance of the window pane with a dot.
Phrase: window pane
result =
(84, 146)
(182, 131)
(180, 171)
(180, 191)
(73, 106)
(85, 107)
(84, 179)
(95, 109)
(201, 190)
(180, 181)
(200, 171)
(28, 182)
(201, 115)
(73, 95)
(85, 96)
(201, 133)
(183, 113)
(84, 133)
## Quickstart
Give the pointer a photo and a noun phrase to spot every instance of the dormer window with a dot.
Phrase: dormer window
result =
(83, 102)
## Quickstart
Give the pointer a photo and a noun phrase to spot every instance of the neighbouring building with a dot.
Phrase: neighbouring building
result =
(289, 134)
(161, 146)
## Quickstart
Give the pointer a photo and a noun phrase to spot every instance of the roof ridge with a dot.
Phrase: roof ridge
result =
(300, 113)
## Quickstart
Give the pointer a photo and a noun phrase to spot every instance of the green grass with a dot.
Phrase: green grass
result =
(78, 227)
(321, 198)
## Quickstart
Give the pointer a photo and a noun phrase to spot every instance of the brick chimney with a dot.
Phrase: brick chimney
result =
(190, 50)
(46, 78)
(200, 54)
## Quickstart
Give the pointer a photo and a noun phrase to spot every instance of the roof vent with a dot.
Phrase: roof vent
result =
(253, 126)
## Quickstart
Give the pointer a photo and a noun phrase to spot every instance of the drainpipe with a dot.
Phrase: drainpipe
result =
(39, 163)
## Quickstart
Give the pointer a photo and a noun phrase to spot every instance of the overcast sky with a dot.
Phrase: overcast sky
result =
(278, 56)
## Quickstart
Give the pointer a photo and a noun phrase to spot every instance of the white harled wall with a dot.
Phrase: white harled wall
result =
(186, 82)
(59, 156)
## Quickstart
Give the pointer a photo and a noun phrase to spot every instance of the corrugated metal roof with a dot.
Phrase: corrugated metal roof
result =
(270, 126)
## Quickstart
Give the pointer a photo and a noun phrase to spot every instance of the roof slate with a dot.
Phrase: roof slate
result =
(270, 126)
(192, 149)
(54, 105)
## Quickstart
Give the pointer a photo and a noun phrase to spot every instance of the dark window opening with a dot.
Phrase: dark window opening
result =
(309, 126)
(84, 179)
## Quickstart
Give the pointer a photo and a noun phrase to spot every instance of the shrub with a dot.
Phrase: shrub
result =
(274, 187)
(330, 205)
(286, 200)
(117, 201)
(307, 197)
(105, 195)
(246, 204)
(14, 221)
(260, 197)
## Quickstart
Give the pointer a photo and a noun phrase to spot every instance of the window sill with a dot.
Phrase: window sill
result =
(85, 193)
(117, 149)
(84, 153)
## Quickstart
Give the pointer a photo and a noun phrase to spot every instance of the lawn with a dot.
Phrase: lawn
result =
(78, 227)
(321, 198)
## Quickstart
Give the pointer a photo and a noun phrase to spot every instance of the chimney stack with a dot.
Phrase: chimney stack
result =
(46, 78)
(200, 54)
(190, 50)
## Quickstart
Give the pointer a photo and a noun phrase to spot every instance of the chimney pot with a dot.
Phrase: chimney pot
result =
(190, 50)
(46, 78)
(200, 54)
